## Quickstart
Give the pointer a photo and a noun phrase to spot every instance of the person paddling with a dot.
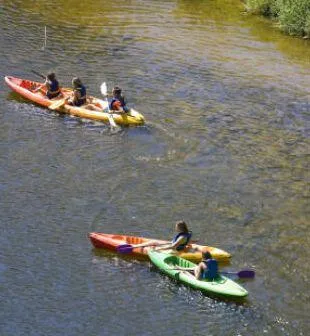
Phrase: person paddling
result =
(180, 240)
(52, 86)
(207, 269)
(118, 102)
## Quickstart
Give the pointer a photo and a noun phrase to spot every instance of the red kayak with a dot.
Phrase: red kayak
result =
(192, 252)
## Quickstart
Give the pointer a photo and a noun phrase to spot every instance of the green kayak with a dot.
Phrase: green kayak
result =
(221, 285)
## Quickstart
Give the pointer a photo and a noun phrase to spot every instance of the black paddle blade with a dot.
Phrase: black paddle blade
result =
(124, 248)
(246, 274)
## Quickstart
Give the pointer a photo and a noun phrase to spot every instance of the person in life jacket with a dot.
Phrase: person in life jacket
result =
(78, 97)
(180, 240)
(118, 102)
(52, 86)
(207, 268)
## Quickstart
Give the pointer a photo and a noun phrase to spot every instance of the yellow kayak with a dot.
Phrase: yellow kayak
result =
(26, 88)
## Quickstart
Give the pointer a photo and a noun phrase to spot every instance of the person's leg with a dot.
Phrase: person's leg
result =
(93, 107)
(199, 270)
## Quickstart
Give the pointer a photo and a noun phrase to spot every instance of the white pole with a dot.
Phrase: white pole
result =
(45, 38)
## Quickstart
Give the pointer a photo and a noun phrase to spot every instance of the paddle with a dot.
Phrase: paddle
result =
(128, 248)
(103, 89)
(38, 74)
(247, 273)
(240, 274)
(57, 104)
(179, 269)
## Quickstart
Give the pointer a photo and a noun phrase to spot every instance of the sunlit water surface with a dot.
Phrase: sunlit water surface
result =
(225, 147)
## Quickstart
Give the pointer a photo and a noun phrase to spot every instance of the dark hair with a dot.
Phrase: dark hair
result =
(182, 226)
(117, 90)
(51, 76)
(206, 255)
(76, 82)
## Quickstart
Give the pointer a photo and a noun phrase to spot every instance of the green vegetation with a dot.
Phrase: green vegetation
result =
(293, 15)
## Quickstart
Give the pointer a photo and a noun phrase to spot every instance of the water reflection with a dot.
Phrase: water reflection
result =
(225, 147)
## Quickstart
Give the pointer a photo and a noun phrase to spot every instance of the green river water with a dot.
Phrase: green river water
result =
(225, 147)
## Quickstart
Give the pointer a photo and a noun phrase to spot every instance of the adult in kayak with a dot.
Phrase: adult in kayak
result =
(118, 102)
(52, 86)
(206, 269)
(181, 238)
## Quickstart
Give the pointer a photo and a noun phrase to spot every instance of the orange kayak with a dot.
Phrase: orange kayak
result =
(193, 252)
(26, 89)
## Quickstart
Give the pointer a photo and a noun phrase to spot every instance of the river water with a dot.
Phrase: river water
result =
(225, 147)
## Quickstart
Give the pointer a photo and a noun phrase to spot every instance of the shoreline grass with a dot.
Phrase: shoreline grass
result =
(293, 16)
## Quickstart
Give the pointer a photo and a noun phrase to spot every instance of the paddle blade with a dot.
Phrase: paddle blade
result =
(246, 274)
(124, 248)
(103, 88)
(57, 104)
(111, 120)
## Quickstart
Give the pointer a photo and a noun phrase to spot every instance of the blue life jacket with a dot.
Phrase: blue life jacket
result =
(54, 86)
(121, 100)
(53, 90)
(112, 102)
(211, 271)
(82, 99)
(187, 235)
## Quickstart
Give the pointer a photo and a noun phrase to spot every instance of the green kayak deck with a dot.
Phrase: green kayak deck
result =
(221, 285)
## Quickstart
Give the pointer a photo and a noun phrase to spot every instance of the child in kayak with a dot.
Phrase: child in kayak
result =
(180, 240)
(207, 269)
(78, 97)
(118, 102)
(52, 86)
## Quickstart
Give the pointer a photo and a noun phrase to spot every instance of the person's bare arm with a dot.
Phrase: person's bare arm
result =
(174, 245)
(40, 88)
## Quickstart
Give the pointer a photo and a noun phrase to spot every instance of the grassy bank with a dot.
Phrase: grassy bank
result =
(293, 16)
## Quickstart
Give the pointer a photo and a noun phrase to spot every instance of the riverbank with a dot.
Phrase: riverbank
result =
(292, 18)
